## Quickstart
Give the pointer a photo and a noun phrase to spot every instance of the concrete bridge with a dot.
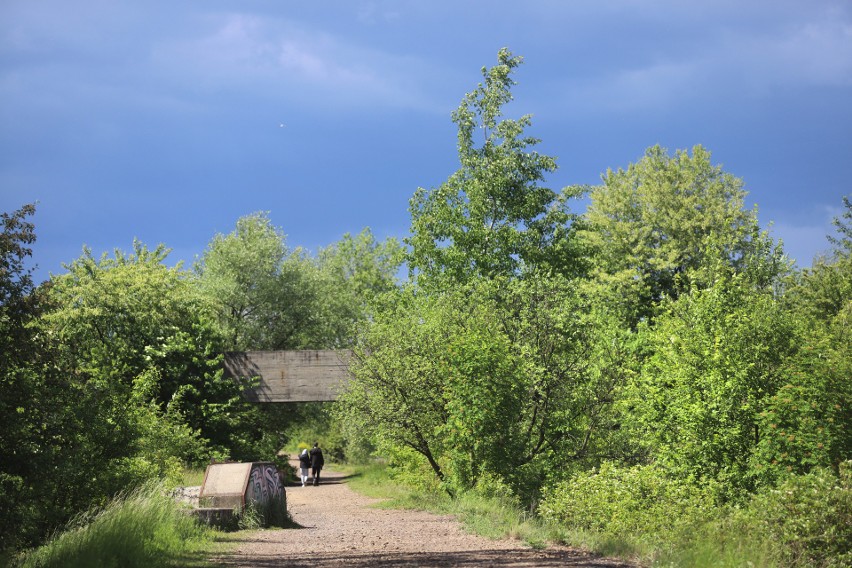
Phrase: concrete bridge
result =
(291, 376)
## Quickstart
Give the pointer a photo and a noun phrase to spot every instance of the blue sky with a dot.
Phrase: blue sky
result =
(167, 121)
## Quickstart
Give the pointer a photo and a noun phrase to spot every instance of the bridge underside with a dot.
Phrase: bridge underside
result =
(290, 376)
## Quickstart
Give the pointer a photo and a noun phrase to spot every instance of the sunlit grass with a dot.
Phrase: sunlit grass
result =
(192, 477)
(144, 528)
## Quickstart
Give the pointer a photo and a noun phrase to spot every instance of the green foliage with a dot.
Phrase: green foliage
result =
(491, 217)
(716, 358)
(643, 502)
(15, 280)
(806, 422)
(312, 422)
(131, 330)
(121, 384)
(843, 240)
(145, 527)
(270, 297)
(265, 514)
(266, 295)
(663, 223)
(22, 423)
(490, 378)
(355, 270)
(821, 295)
(721, 543)
(809, 516)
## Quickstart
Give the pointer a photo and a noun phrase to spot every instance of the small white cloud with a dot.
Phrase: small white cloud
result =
(282, 57)
(636, 88)
(813, 53)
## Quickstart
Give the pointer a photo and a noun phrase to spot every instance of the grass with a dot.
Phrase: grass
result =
(143, 528)
(192, 477)
(147, 528)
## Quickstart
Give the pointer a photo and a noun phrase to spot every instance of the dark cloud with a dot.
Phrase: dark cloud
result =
(160, 120)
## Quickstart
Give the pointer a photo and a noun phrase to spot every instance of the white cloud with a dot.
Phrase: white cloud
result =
(637, 88)
(729, 51)
(244, 50)
(813, 53)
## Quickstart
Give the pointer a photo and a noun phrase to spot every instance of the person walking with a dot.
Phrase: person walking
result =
(317, 462)
(304, 465)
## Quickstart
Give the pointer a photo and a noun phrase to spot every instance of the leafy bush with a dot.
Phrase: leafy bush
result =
(638, 501)
(407, 467)
(810, 516)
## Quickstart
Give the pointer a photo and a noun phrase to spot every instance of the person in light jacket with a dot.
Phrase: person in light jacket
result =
(317, 462)
(304, 465)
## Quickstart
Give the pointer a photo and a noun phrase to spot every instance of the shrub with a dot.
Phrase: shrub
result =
(809, 516)
(639, 501)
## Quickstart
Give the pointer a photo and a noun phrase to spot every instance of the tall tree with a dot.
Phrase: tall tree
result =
(267, 294)
(662, 224)
(356, 270)
(492, 216)
(21, 418)
(809, 421)
(132, 329)
(716, 356)
(482, 365)
(498, 379)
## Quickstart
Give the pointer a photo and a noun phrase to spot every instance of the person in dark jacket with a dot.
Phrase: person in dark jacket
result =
(317, 462)
(304, 465)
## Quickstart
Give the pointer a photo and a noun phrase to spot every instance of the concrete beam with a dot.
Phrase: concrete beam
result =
(291, 376)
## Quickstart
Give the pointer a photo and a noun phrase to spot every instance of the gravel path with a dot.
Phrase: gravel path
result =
(339, 528)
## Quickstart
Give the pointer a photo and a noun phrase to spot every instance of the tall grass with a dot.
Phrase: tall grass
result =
(192, 477)
(265, 514)
(142, 528)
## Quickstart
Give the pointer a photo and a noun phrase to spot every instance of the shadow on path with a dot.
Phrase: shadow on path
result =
(478, 558)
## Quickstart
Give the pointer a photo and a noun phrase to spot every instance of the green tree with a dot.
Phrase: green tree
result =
(355, 271)
(492, 216)
(662, 226)
(270, 297)
(267, 295)
(495, 380)
(25, 404)
(130, 329)
(717, 356)
(489, 365)
(808, 422)
(91, 384)
(843, 241)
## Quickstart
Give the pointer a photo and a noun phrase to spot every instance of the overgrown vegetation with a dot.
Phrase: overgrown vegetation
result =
(641, 514)
(651, 376)
(144, 528)
(264, 514)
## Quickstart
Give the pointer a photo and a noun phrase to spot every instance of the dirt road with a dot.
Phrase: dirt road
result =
(338, 528)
